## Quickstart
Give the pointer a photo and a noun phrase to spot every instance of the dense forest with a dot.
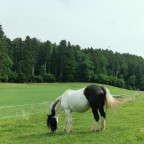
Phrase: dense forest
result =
(32, 60)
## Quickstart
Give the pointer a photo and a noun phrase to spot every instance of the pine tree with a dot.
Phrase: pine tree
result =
(30, 57)
(53, 64)
(47, 56)
(5, 61)
(62, 55)
(69, 64)
(84, 67)
(17, 46)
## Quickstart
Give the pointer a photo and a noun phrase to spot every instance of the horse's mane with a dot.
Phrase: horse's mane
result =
(54, 103)
(53, 107)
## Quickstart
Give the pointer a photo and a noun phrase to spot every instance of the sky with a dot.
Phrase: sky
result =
(117, 25)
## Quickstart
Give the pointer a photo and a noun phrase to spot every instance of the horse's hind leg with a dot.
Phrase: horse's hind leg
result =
(96, 119)
(103, 115)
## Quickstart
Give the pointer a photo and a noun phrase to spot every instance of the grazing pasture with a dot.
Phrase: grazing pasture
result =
(23, 109)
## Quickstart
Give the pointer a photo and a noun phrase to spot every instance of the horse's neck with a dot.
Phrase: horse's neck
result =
(58, 107)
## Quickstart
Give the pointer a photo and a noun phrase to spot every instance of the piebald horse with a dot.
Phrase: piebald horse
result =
(93, 96)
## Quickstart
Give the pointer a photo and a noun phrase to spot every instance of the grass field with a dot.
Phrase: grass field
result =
(23, 109)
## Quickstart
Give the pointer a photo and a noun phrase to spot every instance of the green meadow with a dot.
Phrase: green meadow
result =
(23, 110)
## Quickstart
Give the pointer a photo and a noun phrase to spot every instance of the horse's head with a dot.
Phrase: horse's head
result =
(52, 123)
(51, 120)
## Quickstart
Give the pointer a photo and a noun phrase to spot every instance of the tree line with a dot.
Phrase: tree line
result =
(32, 60)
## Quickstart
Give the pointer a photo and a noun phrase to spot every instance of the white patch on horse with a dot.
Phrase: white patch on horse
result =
(75, 100)
(93, 129)
(102, 127)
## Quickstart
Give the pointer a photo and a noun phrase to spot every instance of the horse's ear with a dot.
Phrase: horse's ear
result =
(49, 102)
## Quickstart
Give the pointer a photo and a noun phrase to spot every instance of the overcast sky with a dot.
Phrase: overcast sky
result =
(108, 24)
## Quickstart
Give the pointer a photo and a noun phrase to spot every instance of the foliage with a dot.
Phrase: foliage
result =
(5, 61)
(49, 77)
(31, 60)
(37, 78)
(114, 81)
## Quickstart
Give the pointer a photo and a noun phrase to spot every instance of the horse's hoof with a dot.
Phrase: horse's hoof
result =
(63, 131)
(52, 132)
(101, 129)
(70, 131)
(93, 130)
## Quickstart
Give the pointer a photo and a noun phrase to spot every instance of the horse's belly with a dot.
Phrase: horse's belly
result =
(79, 108)
(79, 105)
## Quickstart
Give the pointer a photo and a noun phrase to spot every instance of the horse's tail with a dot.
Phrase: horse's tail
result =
(110, 101)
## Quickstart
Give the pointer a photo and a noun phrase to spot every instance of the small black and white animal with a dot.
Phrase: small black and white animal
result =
(93, 96)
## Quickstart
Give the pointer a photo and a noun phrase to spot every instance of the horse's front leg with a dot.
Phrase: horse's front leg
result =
(57, 116)
(69, 120)
(65, 127)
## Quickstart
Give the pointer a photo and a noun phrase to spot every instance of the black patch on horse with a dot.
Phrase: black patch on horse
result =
(52, 123)
(96, 95)
(51, 120)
